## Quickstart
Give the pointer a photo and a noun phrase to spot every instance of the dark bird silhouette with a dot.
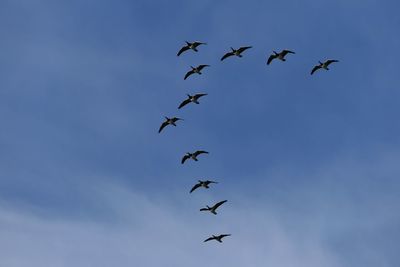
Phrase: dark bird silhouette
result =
(191, 98)
(323, 65)
(280, 55)
(195, 70)
(235, 52)
(217, 238)
(193, 155)
(214, 208)
(189, 45)
(204, 184)
(168, 121)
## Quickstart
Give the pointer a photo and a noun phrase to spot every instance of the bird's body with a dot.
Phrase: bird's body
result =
(168, 121)
(236, 52)
(191, 99)
(205, 184)
(214, 208)
(190, 45)
(280, 56)
(195, 70)
(193, 155)
(217, 238)
(323, 65)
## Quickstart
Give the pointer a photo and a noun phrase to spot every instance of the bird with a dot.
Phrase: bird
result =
(169, 121)
(236, 52)
(195, 70)
(204, 184)
(193, 155)
(217, 237)
(280, 55)
(323, 65)
(191, 98)
(190, 45)
(214, 208)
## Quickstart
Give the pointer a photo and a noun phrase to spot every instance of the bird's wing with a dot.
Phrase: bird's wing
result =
(243, 48)
(208, 239)
(175, 119)
(197, 96)
(204, 209)
(331, 61)
(198, 152)
(227, 55)
(185, 102)
(287, 52)
(200, 67)
(184, 158)
(271, 57)
(196, 44)
(219, 204)
(190, 72)
(222, 236)
(165, 123)
(183, 49)
(211, 182)
(195, 187)
(315, 69)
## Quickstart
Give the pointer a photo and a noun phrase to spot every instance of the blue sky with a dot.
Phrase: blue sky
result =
(309, 164)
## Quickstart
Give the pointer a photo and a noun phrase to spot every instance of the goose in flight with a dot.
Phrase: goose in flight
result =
(280, 55)
(189, 45)
(235, 52)
(193, 155)
(195, 70)
(169, 121)
(204, 184)
(191, 98)
(214, 208)
(323, 65)
(217, 238)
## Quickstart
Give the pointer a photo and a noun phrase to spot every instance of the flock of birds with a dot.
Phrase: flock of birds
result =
(195, 99)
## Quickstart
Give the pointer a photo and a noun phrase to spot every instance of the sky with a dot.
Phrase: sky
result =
(309, 164)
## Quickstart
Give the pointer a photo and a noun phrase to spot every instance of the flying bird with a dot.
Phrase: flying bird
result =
(236, 52)
(195, 70)
(214, 208)
(217, 238)
(189, 45)
(168, 121)
(193, 155)
(280, 55)
(323, 65)
(204, 184)
(191, 98)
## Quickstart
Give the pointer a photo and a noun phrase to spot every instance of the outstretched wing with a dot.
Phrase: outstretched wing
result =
(197, 96)
(315, 69)
(196, 44)
(195, 187)
(198, 152)
(175, 119)
(271, 57)
(225, 235)
(285, 52)
(211, 182)
(190, 72)
(227, 55)
(200, 67)
(331, 61)
(243, 48)
(183, 49)
(204, 209)
(165, 123)
(219, 204)
(184, 103)
(208, 239)
(184, 158)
